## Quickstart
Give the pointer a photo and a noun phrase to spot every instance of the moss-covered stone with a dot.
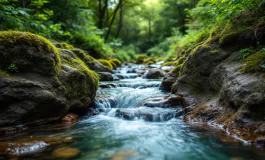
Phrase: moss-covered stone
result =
(106, 63)
(149, 61)
(176, 63)
(15, 37)
(116, 62)
(83, 55)
(67, 46)
(29, 52)
(82, 81)
(141, 59)
(171, 63)
(255, 62)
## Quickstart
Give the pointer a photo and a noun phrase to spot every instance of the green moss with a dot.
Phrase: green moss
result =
(82, 54)
(4, 73)
(116, 62)
(176, 70)
(15, 37)
(175, 63)
(67, 46)
(180, 60)
(160, 59)
(255, 62)
(141, 59)
(169, 63)
(81, 82)
(149, 61)
(106, 63)
(114, 66)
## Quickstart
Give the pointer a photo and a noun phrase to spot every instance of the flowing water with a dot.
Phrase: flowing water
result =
(124, 129)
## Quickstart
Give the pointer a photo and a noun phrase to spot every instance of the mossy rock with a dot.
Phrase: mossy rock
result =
(28, 52)
(150, 61)
(83, 55)
(79, 83)
(141, 59)
(246, 29)
(67, 46)
(171, 63)
(255, 62)
(106, 63)
(114, 66)
(116, 62)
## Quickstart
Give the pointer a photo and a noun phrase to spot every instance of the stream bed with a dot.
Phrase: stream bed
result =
(124, 129)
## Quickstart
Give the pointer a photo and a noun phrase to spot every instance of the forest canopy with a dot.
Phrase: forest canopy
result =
(123, 28)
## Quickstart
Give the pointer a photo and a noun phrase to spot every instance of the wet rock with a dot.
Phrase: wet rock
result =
(148, 114)
(65, 152)
(123, 155)
(127, 76)
(260, 141)
(154, 74)
(199, 66)
(139, 85)
(25, 148)
(70, 117)
(68, 140)
(105, 76)
(170, 78)
(172, 101)
(105, 85)
(104, 102)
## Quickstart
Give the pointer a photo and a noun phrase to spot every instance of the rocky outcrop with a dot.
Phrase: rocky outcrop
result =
(154, 74)
(41, 83)
(215, 85)
(220, 93)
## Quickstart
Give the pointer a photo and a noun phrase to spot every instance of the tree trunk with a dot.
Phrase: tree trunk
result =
(150, 29)
(112, 20)
(120, 21)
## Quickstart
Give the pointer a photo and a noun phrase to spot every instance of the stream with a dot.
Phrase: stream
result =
(124, 129)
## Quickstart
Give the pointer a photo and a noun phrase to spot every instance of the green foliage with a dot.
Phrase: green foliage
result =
(126, 53)
(34, 18)
(244, 53)
(13, 68)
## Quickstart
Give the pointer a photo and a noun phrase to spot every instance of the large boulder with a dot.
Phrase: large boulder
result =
(40, 83)
(154, 74)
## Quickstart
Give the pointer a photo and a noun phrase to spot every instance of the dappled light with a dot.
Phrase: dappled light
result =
(132, 79)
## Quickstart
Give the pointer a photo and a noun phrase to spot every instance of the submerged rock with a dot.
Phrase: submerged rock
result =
(70, 117)
(148, 114)
(154, 74)
(65, 152)
(172, 101)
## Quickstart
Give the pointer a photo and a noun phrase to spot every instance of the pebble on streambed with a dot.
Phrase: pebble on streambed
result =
(65, 152)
